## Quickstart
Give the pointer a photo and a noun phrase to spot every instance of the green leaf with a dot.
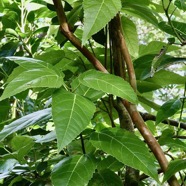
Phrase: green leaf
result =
(140, 10)
(76, 170)
(154, 47)
(71, 114)
(180, 28)
(173, 167)
(127, 148)
(131, 36)
(142, 64)
(93, 11)
(4, 110)
(22, 145)
(83, 90)
(144, 86)
(6, 167)
(181, 4)
(110, 163)
(108, 83)
(25, 121)
(172, 143)
(36, 73)
(168, 109)
(46, 138)
(164, 77)
(105, 177)
(52, 56)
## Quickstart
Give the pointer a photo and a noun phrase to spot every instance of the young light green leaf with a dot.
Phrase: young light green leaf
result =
(173, 167)
(131, 36)
(168, 109)
(25, 121)
(36, 73)
(108, 83)
(93, 11)
(76, 170)
(71, 114)
(127, 148)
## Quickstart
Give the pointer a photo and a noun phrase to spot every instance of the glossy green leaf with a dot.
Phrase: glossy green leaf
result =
(173, 167)
(36, 73)
(168, 109)
(71, 114)
(108, 83)
(105, 177)
(131, 36)
(93, 11)
(75, 170)
(127, 148)
(25, 121)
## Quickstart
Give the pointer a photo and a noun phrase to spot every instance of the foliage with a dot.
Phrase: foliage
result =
(63, 122)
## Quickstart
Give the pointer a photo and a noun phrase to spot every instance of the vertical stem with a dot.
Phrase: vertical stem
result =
(134, 114)
(82, 144)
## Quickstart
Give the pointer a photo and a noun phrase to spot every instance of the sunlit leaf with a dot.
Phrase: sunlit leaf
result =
(76, 170)
(93, 11)
(36, 73)
(131, 36)
(127, 148)
(71, 114)
(168, 109)
(108, 83)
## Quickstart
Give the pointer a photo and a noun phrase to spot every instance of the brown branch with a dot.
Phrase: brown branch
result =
(147, 116)
(73, 39)
(136, 117)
